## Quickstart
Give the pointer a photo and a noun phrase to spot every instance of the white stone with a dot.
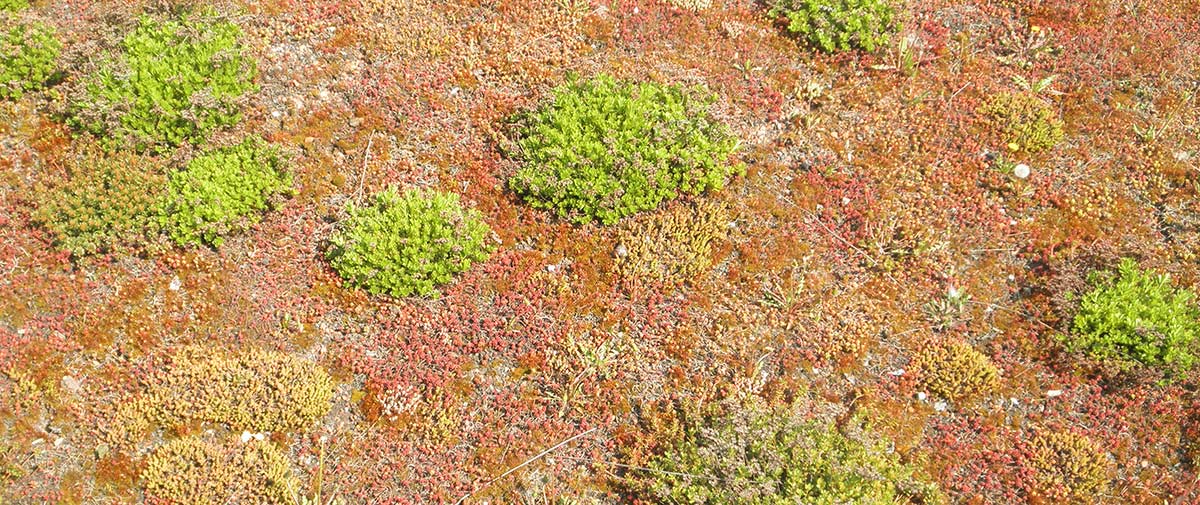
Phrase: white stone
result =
(940, 406)
(1021, 171)
(246, 436)
(1053, 393)
(922, 396)
(175, 284)
(897, 372)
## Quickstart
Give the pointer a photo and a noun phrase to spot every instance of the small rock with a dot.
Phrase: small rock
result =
(621, 251)
(72, 384)
(940, 406)
(246, 436)
(175, 284)
(1053, 393)
(551, 268)
(897, 372)
(1014, 402)
(356, 122)
(101, 451)
(1021, 171)
(922, 396)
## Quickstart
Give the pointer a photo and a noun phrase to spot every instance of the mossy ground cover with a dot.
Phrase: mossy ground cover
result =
(916, 250)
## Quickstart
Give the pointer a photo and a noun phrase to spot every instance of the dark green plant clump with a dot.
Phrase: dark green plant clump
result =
(756, 457)
(28, 57)
(839, 25)
(603, 149)
(172, 82)
(223, 191)
(1137, 317)
(408, 243)
(109, 203)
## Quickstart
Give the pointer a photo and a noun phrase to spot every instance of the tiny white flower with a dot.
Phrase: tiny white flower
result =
(1021, 171)
(953, 292)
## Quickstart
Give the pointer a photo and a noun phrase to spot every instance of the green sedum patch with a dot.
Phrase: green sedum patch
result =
(759, 457)
(172, 82)
(1137, 317)
(13, 5)
(408, 243)
(28, 57)
(108, 203)
(223, 191)
(839, 25)
(603, 149)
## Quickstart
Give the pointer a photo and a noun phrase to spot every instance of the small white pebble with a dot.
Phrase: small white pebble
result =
(1014, 402)
(897, 372)
(246, 436)
(551, 268)
(1053, 393)
(175, 284)
(276, 114)
(1021, 171)
(940, 406)
(72, 384)
(621, 251)
(922, 396)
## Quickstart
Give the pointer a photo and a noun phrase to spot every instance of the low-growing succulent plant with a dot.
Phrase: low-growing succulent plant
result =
(673, 244)
(1027, 122)
(603, 149)
(28, 57)
(1068, 467)
(755, 456)
(256, 390)
(1137, 317)
(408, 243)
(193, 470)
(839, 25)
(108, 203)
(172, 82)
(223, 191)
(954, 370)
(13, 5)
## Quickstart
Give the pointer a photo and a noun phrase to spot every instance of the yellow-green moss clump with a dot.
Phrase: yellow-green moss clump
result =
(1028, 123)
(256, 391)
(672, 244)
(954, 370)
(1068, 467)
(191, 470)
(259, 391)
